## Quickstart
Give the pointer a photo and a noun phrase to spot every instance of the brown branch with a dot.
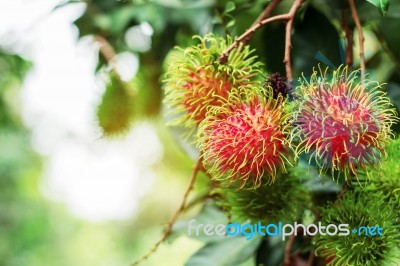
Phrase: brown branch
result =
(267, 11)
(311, 258)
(289, 17)
(249, 33)
(105, 48)
(288, 40)
(349, 37)
(109, 54)
(356, 19)
(288, 250)
(174, 218)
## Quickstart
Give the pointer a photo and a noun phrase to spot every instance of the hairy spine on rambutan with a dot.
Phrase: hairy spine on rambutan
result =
(197, 80)
(360, 211)
(385, 180)
(342, 122)
(246, 138)
(282, 201)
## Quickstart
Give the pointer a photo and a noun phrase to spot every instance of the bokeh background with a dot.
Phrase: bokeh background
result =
(71, 194)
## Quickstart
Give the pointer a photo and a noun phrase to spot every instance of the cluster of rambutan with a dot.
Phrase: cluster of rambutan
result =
(247, 130)
(250, 135)
(242, 128)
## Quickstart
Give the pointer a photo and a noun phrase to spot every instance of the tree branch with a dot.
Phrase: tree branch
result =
(267, 11)
(289, 17)
(356, 19)
(288, 40)
(311, 258)
(248, 34)
(288, 250)
(105, 48)
(198, 167)
(349, 37)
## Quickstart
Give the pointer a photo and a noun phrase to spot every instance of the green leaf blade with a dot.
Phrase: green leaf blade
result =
(382, 5)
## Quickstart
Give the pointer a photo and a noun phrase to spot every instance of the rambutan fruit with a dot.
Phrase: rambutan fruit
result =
(362, 245)
(385, 180)
(246, 138)
(342, 122)
(197, 80)
(285, 200)
(115, 112)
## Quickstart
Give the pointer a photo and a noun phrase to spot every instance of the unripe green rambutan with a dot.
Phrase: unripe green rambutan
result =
(285, 200)
(197, 80)
(358, 248)
(115, 112)
(246, 139)
(341, 122)
(385, 180)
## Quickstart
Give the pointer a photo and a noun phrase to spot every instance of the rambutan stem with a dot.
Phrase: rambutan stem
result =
(349, 38)
(267, 11)
(311, 258)
(105, 48)
(288, 41)
(108, 53)
(356, 19)
(288, 250)
(197, 168)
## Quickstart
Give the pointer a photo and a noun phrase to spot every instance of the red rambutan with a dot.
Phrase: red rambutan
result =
(342, 122)
(246, 139)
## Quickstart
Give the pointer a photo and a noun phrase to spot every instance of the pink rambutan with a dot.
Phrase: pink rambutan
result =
(342, 122)
(196, 80)
(246, 139)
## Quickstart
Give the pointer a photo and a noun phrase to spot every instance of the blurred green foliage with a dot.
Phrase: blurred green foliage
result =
(23, 221)
(35, 231)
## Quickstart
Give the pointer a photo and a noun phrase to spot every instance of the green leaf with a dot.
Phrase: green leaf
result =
(387, 31)
(231, 23)
(226, 252)
(230, 6)
(382, 5)
(209, 214)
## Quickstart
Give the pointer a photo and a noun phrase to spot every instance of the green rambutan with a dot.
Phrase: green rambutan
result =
(285, 200)
(342, 122)
(115, 112)
(197, 80)
(385, 180)
(360, 211)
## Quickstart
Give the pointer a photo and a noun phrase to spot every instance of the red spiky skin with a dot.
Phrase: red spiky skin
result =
(344, 125)
(247, 140)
